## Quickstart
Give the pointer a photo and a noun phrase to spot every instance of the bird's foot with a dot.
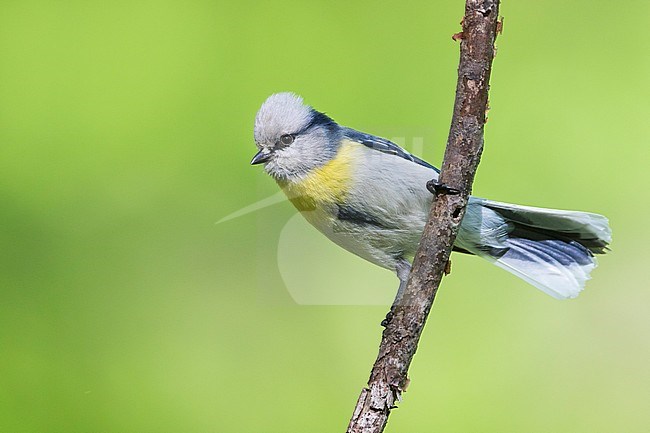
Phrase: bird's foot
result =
(437, 188)
(387, 319)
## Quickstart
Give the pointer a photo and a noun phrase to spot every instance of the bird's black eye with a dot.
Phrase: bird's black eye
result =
(287, 139)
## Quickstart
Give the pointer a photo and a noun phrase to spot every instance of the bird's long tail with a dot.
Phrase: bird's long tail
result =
(551, 249)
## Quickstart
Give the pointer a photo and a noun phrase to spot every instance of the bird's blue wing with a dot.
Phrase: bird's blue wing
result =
(385, 146)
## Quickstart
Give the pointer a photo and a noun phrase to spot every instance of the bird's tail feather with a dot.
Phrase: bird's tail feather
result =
(588, 229)
(551, 249)
(555, 267)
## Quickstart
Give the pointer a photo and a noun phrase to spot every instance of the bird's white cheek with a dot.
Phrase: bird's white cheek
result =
(280, 166)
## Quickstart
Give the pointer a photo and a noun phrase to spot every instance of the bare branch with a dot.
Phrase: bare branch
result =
(389, 376)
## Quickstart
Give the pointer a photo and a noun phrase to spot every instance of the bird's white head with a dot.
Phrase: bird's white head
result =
(292, 137)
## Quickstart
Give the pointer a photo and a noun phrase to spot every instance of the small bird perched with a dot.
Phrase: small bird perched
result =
(369, 196)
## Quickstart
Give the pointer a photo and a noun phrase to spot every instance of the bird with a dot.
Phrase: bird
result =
(370, 196)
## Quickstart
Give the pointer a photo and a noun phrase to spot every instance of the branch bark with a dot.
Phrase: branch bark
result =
(389, 375)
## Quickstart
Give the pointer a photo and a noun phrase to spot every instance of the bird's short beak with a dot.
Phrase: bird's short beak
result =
(261, 157)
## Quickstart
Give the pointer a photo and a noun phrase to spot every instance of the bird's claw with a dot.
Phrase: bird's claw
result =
(387, 320)
(437, 188)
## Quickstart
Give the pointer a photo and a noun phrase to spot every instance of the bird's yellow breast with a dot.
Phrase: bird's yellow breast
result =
(323, 185)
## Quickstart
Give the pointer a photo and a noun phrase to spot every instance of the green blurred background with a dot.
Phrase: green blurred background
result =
(126, 133)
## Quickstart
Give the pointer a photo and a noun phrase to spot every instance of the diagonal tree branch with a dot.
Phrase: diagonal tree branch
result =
(389, 376)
